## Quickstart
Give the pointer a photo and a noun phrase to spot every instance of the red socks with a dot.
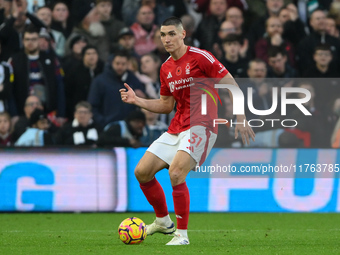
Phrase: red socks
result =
(154, 193)
(182, 203)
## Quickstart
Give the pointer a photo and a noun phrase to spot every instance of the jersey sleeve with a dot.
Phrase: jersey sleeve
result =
(165, 91)
(211, 66)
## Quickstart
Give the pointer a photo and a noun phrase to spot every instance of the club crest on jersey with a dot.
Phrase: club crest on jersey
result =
(187, 69)
(169, 75)
(178, 70)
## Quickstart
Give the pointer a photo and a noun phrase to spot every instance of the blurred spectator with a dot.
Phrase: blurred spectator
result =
(278, 64)
(60, 18)
(334, 11)
(273, 37)
(310, 128)
(150, 65)
(144, 29)
(87, 24)
(293, 27)
(262, 96)
(111, 24)
(318, 36)
(45, 42)
(258, 28)
(335, 139)
(81, 131)
(331, 27)
(77, 83)
(36, 134)
(124, 133)
(74, 57)
(189, 26)
(226, 134)
(191, 7)
(236, 65)
(153, 128)
(11, 31)
(126, 41)
(6, 80)
(104, 93)
(37, 73)
(5, 129)
(160, 11)
(235, 15)
(31, 103)
(322, 68)
(227, 28)
(160, 49)
(45, 15)
(207, 30)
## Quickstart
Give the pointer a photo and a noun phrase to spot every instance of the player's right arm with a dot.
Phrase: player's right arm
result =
(163, 105)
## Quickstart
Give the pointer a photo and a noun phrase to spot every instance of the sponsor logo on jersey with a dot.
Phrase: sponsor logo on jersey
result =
(169, 75)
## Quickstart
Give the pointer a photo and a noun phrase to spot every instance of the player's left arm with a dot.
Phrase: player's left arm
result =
(245, 130)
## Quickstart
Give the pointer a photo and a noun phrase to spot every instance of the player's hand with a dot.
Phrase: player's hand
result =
(245, 130)
(128, 96)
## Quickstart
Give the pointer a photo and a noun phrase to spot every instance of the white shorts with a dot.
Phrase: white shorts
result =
(197, 141)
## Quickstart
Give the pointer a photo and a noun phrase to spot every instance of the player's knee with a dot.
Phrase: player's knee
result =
(176, 176)
(141, 175)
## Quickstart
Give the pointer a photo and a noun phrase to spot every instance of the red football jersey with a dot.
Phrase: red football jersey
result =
(186, 79)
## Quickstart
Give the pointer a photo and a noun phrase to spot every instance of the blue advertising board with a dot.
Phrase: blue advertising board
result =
(307, 181)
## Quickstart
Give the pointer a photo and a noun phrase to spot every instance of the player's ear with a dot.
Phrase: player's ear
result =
(184, 33)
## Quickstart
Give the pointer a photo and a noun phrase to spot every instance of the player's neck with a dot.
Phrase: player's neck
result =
(179, 53)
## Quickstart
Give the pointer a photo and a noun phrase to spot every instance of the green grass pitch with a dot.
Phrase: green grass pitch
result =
(210, 233)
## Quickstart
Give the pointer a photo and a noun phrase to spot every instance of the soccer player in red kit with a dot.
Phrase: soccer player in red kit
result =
(174, 149)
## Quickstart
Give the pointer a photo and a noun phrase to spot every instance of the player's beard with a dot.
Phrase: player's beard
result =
(96, 29)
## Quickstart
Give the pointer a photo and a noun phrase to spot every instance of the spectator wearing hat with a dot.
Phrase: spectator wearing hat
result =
(45, 41)
(36, 134)
(126, 41)
(81, 131)
(87, 24)
(45, 15)
(77, 82)
(38, 73)
(124, 133)
(144, 29)
(104, 93)
(111, 24)
(76, 46)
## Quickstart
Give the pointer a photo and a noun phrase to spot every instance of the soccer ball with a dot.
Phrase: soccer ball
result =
(132, 231)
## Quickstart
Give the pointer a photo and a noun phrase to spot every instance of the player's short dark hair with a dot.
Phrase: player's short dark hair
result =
(230, 38)
(324, 46)
(273, 51)
(31, 29)
(172, 21)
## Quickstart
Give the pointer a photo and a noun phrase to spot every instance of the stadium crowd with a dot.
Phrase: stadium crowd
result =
(63, 63)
